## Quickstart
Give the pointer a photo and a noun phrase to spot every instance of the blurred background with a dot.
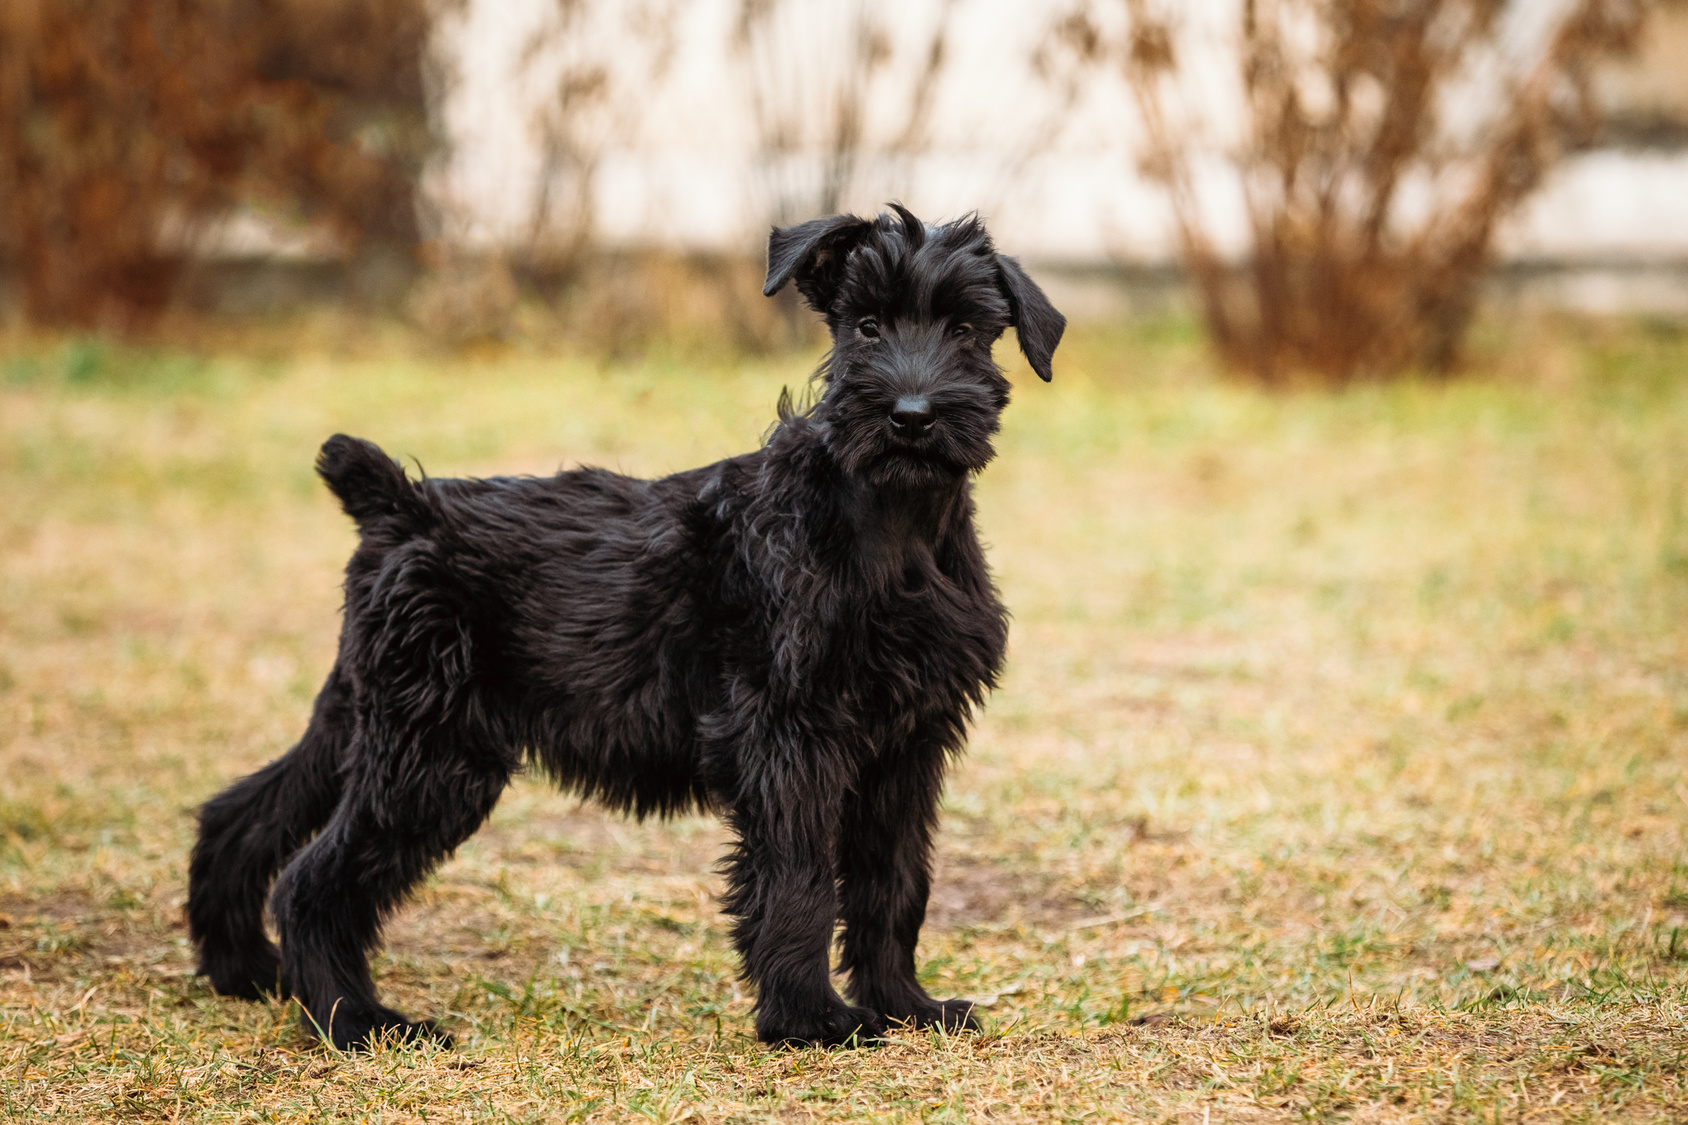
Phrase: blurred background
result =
(1334, 185)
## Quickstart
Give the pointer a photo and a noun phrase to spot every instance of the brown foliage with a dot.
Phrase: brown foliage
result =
(128, 126)
(1349, 108)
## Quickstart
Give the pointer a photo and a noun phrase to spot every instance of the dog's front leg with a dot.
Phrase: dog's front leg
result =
(781, 893)
(884, 874)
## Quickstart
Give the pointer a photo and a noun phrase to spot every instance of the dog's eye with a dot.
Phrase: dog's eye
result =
(868, 327)
(961, 331)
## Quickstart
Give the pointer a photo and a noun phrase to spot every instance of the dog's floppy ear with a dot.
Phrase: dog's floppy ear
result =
(813, 254)
(1036, 321)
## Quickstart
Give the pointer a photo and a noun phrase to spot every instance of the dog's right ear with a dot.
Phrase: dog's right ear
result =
(812, 254)
(1036, 322)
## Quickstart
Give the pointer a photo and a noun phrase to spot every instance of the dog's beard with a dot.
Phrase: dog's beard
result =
(861, 435)
(906, 472)
(881, 459)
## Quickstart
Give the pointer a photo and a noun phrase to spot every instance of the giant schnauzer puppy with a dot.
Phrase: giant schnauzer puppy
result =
(793, 639)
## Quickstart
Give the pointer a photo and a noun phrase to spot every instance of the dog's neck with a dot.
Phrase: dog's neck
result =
(895, 528)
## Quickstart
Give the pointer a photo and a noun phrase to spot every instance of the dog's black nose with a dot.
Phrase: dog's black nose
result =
(912, 415)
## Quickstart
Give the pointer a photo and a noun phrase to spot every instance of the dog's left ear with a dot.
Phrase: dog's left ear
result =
(813, 254)
(1036, 321)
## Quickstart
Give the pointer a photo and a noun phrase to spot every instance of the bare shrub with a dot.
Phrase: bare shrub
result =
(1382, 141)
(465, 297)
(585, 69)
(698, 302)
(840, 91)
(596, 60)
(128, 128)
(841, 95)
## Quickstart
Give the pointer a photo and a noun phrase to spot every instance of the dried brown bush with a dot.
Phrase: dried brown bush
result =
(586, 70)
(1382, 142)
(127, 127)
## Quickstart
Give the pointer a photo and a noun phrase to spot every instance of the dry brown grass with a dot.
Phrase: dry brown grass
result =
(1340, 770)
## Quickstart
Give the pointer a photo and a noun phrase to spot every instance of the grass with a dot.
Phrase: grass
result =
(1341, 770)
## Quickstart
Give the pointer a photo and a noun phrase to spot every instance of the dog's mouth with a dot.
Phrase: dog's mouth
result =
(910, 441)
(935, 450)
(927, 462)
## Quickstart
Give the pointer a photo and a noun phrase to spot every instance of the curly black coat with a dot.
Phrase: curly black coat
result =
(793, 639)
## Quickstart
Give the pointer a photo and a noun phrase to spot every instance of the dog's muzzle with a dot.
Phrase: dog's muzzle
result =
(912, 416)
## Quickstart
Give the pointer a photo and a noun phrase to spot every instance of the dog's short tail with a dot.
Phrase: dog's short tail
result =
(371, 486)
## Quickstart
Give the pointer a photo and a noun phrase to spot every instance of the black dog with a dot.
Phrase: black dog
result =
(793, 639)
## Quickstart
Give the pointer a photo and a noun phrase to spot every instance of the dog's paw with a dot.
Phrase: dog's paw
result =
(379, 1027)
(839, 1027)
(953, 1015)
(251, 975)
(950, 1015)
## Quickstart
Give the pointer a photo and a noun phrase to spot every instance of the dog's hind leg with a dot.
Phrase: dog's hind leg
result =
(247, 832)
(409, 802)
(884, 875)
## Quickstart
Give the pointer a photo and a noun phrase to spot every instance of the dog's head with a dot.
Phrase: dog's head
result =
(912, 394)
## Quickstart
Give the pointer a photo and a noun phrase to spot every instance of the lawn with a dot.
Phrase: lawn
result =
(1340, 771)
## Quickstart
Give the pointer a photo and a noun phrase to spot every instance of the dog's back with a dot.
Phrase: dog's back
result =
(567, 606)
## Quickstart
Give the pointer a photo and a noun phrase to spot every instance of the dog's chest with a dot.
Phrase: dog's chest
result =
(913, 633)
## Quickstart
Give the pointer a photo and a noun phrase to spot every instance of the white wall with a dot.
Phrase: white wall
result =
(680, 157)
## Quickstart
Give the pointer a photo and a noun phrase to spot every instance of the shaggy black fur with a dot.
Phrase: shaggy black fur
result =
(793, 639)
